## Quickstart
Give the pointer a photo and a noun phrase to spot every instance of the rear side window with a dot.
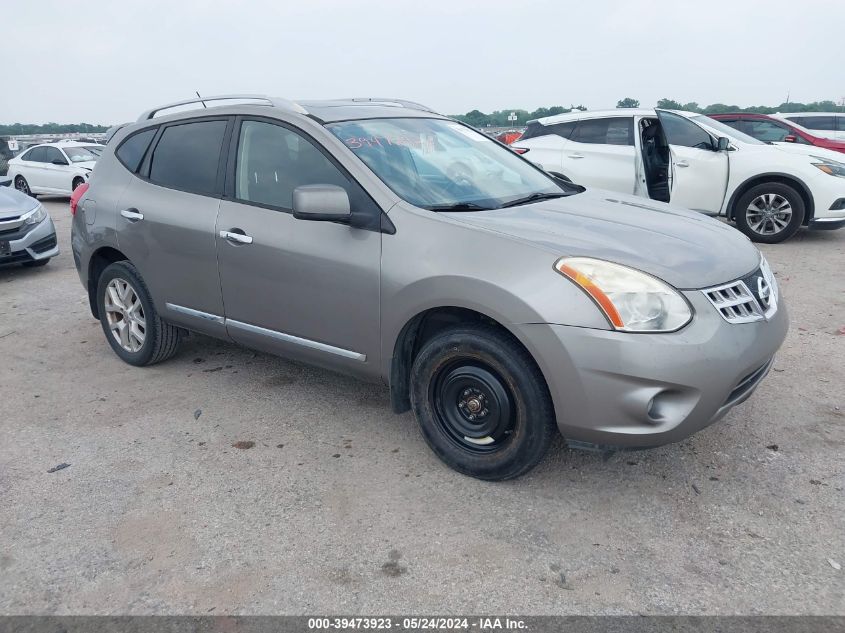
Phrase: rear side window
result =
(535, 129)
(36, 155)
(610, 131)
(131, 151)
(188, 155)
(827, 123)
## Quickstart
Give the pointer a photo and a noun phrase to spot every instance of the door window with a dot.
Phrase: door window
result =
(36, 155)
(54, 154)
(187, 156)
(769, 131)
(274, 160)
(609, 131)
(827, 123)
(680, 131)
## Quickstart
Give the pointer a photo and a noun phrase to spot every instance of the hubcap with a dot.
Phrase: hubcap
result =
(21, 186)
(768, 214)
(473, 406)
(125, 315)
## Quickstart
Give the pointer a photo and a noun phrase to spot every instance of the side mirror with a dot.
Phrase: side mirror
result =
(59, 161)
(321, 203)
(790, 138)
(722, 143)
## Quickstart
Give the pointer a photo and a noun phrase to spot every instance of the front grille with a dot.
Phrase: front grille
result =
(752, 298)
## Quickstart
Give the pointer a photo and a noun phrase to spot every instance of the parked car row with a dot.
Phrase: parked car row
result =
(695, 162)
(498, 304)
(771, 129)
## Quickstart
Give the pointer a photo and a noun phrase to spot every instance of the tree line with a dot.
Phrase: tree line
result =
(19, 129)
(499, 118)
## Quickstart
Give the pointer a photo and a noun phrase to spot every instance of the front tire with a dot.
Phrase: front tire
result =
(130, 322)
(76, 183)
(769, 213)
(481, 402)
(23, 186)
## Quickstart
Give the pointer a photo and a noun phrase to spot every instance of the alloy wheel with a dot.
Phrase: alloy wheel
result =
(125, 315)
(768, 214)
(21, 185)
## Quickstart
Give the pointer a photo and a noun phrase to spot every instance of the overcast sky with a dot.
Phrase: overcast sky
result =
(105, 61)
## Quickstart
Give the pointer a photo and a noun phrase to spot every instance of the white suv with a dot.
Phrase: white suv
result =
(53, 168)
(694, 162)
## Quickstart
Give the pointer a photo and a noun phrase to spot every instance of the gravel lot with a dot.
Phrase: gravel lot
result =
(341, 508)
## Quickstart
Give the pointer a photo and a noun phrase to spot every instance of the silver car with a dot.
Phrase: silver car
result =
(499, 304)
(27, 234)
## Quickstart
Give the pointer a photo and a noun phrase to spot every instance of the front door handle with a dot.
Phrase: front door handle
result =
(682, 163)
(132, 214)
(236, 235)
(575, 155)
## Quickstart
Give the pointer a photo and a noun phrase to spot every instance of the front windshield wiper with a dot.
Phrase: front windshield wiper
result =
(534, 197)
(458, 206)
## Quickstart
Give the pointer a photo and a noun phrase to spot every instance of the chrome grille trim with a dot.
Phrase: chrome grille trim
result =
(738, 302)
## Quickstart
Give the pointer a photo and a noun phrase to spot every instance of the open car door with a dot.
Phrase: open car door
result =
(699, 170)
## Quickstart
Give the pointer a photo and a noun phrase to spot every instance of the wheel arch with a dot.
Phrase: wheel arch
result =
(786, 179)
(100, 259)
(421, 328)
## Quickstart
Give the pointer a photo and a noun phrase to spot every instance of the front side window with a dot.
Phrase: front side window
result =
(441, 164)
(274, 160)
(131, 151)
(680, 131)
(609, 131)
(187, 156)
(79, 154)
(36, 155)
(55, 155)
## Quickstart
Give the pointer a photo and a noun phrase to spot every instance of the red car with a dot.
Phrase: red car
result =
(772, 129)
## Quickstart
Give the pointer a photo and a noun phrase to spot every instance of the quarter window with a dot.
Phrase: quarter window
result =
(131, 151)
(680, 131)
(188, 155)
(273, 161)
(609, 131)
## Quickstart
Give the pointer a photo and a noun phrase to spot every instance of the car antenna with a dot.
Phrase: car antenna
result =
(200, 98)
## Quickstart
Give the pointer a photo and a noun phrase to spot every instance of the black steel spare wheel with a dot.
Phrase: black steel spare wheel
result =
(473, 406)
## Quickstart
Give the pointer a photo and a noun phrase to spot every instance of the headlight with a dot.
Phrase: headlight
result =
(631, 300)
(36, 216)
(830, 167)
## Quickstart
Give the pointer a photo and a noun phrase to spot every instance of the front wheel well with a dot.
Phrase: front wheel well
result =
(796, 184)
(97, 264)
(416, 333)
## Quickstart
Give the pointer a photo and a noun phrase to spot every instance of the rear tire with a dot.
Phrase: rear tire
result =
(130, 322)
(769, 213)
(481, 402)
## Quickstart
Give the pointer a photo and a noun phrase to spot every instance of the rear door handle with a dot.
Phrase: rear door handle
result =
(575, 155)
(132, 214)
(236, 235)
(682, 163)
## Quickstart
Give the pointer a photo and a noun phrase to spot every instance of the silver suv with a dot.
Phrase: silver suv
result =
(378, 238)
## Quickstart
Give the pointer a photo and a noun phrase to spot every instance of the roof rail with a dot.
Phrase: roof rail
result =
(265, 100)
(403, 103)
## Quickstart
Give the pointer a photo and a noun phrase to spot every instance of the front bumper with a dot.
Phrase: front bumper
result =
(623, 390)
(32, 244)
(826, 224)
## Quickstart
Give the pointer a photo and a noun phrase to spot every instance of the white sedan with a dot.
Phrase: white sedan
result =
(770, 191)
(53, 168)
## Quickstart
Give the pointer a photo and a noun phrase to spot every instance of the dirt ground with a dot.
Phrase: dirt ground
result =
(340, 507)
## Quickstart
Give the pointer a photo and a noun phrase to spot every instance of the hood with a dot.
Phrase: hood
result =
(686, 249)
(810, 150)
(14, 203)
(86, 164)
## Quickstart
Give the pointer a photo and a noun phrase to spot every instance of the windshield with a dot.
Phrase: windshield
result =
(438, 164)
(725, 130)
(97, 150)
(79, 154)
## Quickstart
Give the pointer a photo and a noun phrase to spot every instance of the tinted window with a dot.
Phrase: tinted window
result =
(53, 154)
(815, 122)
(131, 151)
(187, 156)
(840, 122)
(680, 131)
(610, 131)
(36, 154)
(768, 131)
(273, 161)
